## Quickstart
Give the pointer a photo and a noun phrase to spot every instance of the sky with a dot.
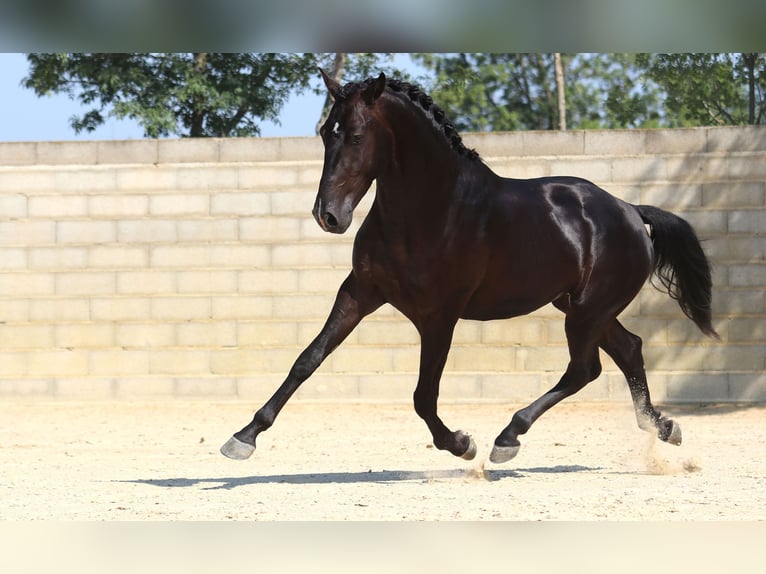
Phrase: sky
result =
(24, 116)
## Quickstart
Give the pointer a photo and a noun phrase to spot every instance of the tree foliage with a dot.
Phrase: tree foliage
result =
(191, 94)
(518, 91)
(711, 89)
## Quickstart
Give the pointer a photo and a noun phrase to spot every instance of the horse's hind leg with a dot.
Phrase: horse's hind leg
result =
(625, 349)
(584, 367)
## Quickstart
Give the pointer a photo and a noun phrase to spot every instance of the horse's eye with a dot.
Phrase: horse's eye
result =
(356, 139)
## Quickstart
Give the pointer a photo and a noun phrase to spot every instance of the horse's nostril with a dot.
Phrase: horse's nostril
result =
(330, 220)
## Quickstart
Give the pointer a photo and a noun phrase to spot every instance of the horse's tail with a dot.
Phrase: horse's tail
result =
(681, 265)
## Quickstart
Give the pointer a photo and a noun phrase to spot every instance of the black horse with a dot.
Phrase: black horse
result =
(446, 238)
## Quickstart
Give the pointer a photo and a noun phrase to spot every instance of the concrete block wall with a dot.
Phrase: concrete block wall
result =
(193, 268)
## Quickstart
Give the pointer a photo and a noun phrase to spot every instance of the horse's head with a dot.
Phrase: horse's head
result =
(352, 148)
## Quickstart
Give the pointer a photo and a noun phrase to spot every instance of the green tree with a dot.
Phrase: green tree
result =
(190, 94)
(484, 92)
(711, 88)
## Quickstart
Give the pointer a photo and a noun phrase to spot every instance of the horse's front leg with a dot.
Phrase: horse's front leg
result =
(435, 345)
(351, 305)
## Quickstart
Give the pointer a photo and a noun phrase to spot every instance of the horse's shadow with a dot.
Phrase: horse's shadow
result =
(371, 476)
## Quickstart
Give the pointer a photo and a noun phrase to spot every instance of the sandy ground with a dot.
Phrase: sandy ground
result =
(160, 461)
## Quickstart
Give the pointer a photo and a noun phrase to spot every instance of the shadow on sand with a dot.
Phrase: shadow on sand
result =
(371, 476)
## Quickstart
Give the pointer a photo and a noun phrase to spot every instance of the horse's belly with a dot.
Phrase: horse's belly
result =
(486, 309)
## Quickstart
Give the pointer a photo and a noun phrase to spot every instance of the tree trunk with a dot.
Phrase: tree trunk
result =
(561, 97)
(198, 114)
(336, 73)
(750, 62)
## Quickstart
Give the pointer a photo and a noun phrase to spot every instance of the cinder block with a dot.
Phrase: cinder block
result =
(672, 197)
(118, 257)
(27, 233)
(121, 206)
(20, 336)
(28, 181)
(697, 387)
(147, 231)
(320, 280)
(171, 204)
(747, 222)
(240, 256)
(265, 177)
(267, 334)
(679, 140)
(85, 283)
(384, 386)
(329, 387)
(27, 284)
(60, 309)
(750, 275)
(142, 178)
(127, 151)
(78, 180)
(496, 144)
(144, 387)
(57, 206)
(179, 362)
(482, 358)
(386, 333)
(213, 230)
(188, 150)
(639, 169)
(84, 335)
(270, 230)
(615, 142)
(524, 331)
(726, 139)
(269, 281)
(299, 148)
(243, 307)
(83, 388)
(119, 308)
(241, 203)
(598, 171)
(314, 307)
(58, 363)
(17, 153)
(85, 232)
(199, 282)
(555, 143)
(293, 202)
(180, 308)
(734, 194)
(747, 387)
(205, 387)
(173, 256)
(118, 362)
(145, 335)
(750, 166)
(207, 334)
(196, 177)
(246, 149)
(512, 387)
(66, 153)
(146, 282)
(13, 205)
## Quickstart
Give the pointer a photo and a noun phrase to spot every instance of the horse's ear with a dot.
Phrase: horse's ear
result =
(373, 91)
(332, 86)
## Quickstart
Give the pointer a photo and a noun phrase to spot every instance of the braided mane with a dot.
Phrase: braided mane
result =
(425, 103)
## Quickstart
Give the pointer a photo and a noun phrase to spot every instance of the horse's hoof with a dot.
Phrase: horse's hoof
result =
(675, 435)
(470, 452)
(503, 453)
(236, 449)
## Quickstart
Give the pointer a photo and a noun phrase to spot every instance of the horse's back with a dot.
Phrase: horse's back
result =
(555, 235)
